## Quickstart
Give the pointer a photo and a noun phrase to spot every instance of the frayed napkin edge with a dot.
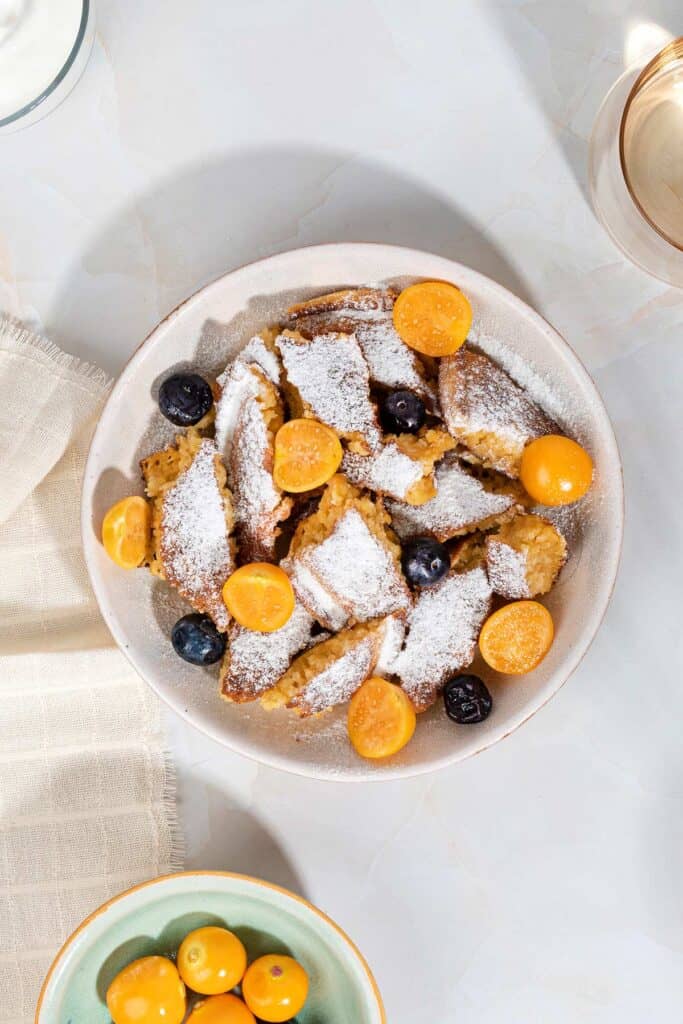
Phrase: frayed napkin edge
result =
(16, 336)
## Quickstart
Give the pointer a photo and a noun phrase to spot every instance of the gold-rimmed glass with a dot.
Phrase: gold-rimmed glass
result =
(636, 163)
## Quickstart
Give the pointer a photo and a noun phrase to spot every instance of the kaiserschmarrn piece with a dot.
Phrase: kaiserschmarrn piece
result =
(442, 630)
(524, 557)
(249, 412)
(327, 378)
(367, 314)
(461, 504)
(330, 672)
(192, 519)
(485, 410)
(254, 661)
(403, 468)
(343, 563)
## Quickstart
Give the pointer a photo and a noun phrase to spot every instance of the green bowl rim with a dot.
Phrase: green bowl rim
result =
(211, 874)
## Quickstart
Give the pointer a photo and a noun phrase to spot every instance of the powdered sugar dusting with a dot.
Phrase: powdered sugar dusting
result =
(256, 661)
(443, 628)
(339, 681)
(317, 599)
(544, 393)
(391, 363)
(257, 501)
(257, 353)
(238, 384)
(387, 470)
(358, 570)
(478, 396)
(195, 548)
(332, 377)
(243, 437)
(461, 502)
(393, 633)
(506, 569)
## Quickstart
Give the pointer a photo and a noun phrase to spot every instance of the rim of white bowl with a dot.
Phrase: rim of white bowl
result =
(512, 723)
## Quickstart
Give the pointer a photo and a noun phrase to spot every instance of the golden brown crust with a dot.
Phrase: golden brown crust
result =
(361, 299)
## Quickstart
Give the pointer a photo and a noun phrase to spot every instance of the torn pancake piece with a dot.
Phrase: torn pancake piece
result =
(331, 672)
(254, 661)
(327, 379)
(524, 557)
(192, 519)
(345, 549)
(461, 504)
(487, 412)
(367, 314)
(249, 413)
(403, 468)
(442, 631)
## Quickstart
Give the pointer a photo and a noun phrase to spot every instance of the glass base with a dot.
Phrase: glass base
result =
(612, 202)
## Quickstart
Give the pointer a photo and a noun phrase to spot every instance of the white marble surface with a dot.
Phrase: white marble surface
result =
(542, 880)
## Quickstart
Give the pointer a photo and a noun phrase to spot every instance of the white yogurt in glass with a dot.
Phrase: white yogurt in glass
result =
(44, 46)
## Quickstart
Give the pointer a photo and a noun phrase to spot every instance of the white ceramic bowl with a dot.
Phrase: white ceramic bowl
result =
(204, 333)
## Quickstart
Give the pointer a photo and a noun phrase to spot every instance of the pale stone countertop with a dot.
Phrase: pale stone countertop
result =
(541, 881)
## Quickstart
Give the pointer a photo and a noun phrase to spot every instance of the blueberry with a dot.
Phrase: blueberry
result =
(467, 700)
(196, 639)
(402, 412)
(424, 561)
(185, 398)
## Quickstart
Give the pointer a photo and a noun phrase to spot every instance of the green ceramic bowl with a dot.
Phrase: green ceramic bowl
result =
(154, 918)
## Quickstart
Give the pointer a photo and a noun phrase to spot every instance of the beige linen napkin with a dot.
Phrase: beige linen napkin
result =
(87, 798)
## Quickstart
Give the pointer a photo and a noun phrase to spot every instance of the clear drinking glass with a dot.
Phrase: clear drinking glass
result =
(636, 164)
(44, 48)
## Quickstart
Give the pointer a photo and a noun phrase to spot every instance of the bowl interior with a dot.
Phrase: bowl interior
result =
(207, 331)
(154, 918)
